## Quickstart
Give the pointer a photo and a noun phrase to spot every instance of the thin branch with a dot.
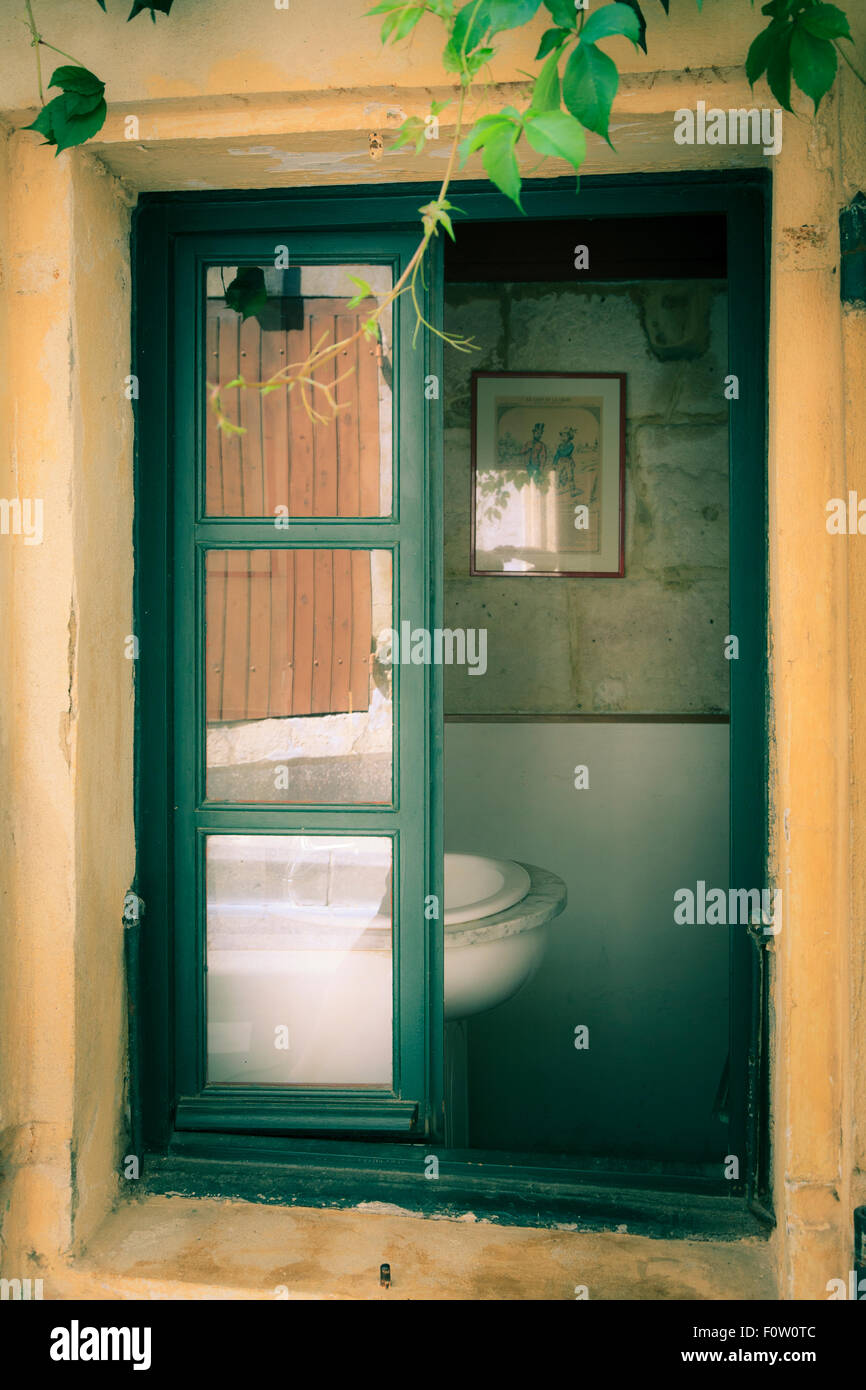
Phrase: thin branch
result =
(35, 41)
(62, 52)
(303, 373)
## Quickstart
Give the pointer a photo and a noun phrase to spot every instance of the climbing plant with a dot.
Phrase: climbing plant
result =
(570, 91)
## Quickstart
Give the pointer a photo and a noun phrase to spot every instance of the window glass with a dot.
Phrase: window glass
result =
(287, 462)
(299, 960)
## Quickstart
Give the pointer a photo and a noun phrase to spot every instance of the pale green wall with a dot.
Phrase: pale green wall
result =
(653, 994)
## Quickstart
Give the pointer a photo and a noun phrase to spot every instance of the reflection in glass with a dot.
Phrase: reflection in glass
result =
(298, 684)
(299, 960)
(287, 463)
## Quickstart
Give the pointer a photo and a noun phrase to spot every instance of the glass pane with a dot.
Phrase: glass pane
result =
(299, 960)
(298, 683)
(289, 463)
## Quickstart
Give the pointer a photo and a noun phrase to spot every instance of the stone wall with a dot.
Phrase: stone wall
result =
(653, 641)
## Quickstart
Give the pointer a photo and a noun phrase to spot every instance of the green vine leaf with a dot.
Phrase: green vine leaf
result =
(779, 67)
(500, 161)
(400, 20)
(609, 21)
(826, 22)
(77, 113)
(411, 132)
(479, 133)
(364, 291)
(641, 23)
(550, 39)
(761, 50)
(72, 78)
(479, 19)
(562, 12)
(247, 294)
(589, 85)
(813, 64)
(64, 127)
(438, 213)
(546, 92)
(138, 6)
(557, 133)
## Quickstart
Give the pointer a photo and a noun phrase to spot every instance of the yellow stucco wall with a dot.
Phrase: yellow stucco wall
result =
(296, 104)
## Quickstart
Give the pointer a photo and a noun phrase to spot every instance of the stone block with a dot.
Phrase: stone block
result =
(601, 329)
(647, 648)
(679, 473)
(476, 312)
(529, 661)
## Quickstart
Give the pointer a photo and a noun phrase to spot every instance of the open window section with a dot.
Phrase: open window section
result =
(304, 952)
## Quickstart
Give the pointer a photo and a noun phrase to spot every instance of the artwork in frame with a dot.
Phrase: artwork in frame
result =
(548, 474)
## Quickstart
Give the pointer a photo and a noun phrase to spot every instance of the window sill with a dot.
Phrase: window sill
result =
(500, 1189)
(177, 1248)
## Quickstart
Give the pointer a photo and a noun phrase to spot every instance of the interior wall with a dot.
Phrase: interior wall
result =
(655, 815)
(654, 995)
(653, 641)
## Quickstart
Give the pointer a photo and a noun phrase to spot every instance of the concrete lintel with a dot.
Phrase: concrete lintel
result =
(278, 140)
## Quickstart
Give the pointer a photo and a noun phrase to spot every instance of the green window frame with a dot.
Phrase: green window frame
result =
(192, 1131)
(412, 1105)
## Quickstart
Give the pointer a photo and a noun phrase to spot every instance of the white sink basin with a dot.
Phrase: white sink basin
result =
(479, 887)
(497, 919)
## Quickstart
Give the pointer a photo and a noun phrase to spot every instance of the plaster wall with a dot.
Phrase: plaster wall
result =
(67, 854)
(211, 52)
(68, 851)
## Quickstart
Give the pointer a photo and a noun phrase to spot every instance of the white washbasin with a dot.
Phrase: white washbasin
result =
(476, 886)
(306, 941)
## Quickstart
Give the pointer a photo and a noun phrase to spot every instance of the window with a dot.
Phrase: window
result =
(299, 830)
(289, 776)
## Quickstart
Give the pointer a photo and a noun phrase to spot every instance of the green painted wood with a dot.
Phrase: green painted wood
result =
(244, 1109)
(407, 820)
(154, 875)
(513, 1189)
(748, 281)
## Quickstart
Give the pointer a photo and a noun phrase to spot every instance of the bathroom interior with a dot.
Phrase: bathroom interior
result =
(586, 767)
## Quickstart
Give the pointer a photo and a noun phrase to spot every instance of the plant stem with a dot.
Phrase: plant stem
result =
(35, 42)
(62, 53)
(302, 372)
(855, 71)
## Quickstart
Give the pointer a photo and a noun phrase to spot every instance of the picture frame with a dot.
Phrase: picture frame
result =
(548, 474)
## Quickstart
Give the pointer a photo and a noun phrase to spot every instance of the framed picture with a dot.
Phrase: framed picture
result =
(548, 474)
